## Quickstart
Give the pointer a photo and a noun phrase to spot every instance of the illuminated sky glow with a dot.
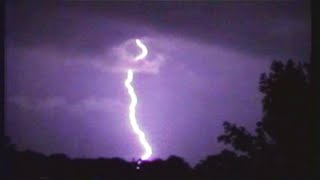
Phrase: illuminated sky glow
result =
(66, 64)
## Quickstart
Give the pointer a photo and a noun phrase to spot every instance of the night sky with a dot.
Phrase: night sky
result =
(66, 63)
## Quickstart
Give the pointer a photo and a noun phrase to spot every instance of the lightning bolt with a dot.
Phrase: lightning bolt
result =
(144, 49)
(134, 101)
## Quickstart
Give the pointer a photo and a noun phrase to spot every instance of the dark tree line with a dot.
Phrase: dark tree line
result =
(282, 145)
(280, 148)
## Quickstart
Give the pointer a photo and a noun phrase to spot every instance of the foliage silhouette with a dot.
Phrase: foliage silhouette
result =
(226, 165)
(282, 144)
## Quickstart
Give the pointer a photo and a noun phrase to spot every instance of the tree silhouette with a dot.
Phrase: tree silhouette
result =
(283, 136)
(226, 165)
(288, 112)
(172, 168)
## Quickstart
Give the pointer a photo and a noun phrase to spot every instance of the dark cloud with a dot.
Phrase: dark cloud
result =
(280, 27)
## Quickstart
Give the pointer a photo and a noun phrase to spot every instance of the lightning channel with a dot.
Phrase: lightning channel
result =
(134, 101)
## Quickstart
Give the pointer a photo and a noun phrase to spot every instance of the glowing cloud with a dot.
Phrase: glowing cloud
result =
(134, 101)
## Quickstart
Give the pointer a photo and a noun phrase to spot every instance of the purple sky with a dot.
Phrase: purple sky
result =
(66, 63)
